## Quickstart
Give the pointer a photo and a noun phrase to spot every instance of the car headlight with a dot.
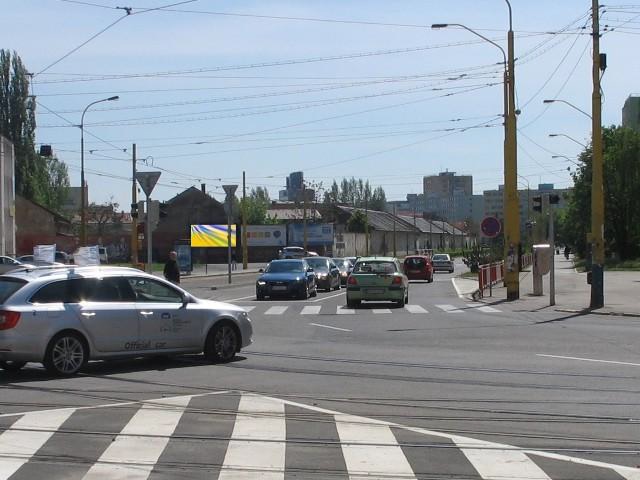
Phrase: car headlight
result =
(261, 282)
(344, 274)
(322, 275)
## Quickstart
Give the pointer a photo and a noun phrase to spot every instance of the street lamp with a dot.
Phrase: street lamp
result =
(567, 103)
(567, 136)
(566, 158)
(83, 188)
(511, 203)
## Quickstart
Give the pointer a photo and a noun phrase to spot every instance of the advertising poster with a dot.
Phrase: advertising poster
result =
(317, 234)
(266, 235)
(184, 257)
(44, 253)
(210, 236)
(87, 256)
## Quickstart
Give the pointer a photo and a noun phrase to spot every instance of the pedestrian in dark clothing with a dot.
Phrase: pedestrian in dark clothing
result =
(171, 269)
(234, 261)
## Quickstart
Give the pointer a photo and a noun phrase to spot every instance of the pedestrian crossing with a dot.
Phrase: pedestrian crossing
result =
(366, 310)
(233, 435)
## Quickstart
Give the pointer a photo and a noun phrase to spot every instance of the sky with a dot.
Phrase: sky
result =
(335, 88)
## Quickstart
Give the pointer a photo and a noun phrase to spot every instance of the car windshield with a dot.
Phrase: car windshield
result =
(375, 267)
(280, 267)
(9, 286)
(415, 262)
(317, 263)
(441, 256)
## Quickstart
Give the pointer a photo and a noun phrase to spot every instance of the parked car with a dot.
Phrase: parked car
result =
(292, 252)
(345, 267)
(418, 267)
(63, 317)
(30, 259)
(377, 279)
(7, 264)
(326, 272)
(442, 261)
(288, 278)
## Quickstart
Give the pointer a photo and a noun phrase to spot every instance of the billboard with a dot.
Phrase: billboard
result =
(209, 236)
(266, 235)
(317, 234)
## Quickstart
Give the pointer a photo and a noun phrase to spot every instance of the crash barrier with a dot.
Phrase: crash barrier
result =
(526, 260)
(489, 275)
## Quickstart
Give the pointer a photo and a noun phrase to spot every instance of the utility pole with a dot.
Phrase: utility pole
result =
(304, 215)
(229, 190)
(394, 230)
(366, 222)
(596, 237)
(245, 247)
(511, 203)
(134, 221)
(552, 243)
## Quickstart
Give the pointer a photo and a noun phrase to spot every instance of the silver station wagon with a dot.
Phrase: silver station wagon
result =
(64, 316)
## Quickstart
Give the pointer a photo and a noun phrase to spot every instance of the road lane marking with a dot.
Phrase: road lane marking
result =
(453, 281)
(311, 310)
(137, 448)
(332, 328)
(322, 299)
(483, 308)
(415, 309)
(236, 299)
(588, 360)
(342, 310)
(496, 463)
(276, 310)
(258, 442)
(381, 310)
(371, 448)
(26, 436)
(449, 308)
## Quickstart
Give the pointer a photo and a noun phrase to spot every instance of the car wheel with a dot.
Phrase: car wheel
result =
(222, 342)
(337, 287)
(66, 354)
(431, 278)
(259, 296)
(11, 366)
(304, 295)
(400, 303)
(314, 292)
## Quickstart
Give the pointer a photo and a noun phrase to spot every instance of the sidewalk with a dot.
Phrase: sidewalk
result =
(621, 291)
(218, 269)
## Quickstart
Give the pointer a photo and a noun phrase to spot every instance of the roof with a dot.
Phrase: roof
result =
(382, 221)
(192, 191)
(65, 271)
(432, 226)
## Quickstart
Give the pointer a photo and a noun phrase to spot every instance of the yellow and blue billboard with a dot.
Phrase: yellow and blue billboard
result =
(208, 236)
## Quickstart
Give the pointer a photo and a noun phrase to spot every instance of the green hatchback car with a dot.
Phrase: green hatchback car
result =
(377, 279)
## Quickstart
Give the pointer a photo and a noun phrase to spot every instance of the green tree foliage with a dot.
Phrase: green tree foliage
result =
(357, 223)
(257, 204)
(621, 192)
(356, 193)
(44, 180)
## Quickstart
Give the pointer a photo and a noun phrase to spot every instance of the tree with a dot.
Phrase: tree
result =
(37, 178)
(356, 193)
(357, 223)
(257, 204)
(621, 148)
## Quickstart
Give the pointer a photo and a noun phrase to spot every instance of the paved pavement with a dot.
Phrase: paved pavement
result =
(622, 291)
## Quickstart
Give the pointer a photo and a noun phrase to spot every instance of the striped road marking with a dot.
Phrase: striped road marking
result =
(483, 308)
(345, 311)
(258, 442)
(137, 448)
(276, 310)
(25, 437)
(449, 308)
(311, 310)
(415, 309)
(381, 310)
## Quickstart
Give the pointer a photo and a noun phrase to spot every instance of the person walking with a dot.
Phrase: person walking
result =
(171, 268)
(234, 261)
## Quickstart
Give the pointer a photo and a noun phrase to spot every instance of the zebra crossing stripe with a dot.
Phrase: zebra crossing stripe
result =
(26, 436)
(449, 308)
(415, 309)
(371, 450)
(495, 463)
(276, 310)
(342, 310)
(258, 442)
(381, 310)
(484, 308)
(311, 310)
(137, 448)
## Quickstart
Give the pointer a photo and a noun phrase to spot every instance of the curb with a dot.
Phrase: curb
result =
(595, 312)
(213, 275)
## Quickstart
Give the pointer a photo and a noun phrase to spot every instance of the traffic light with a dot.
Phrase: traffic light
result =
(137, 210)
(554, 199)
(134, 210)
(537, 204)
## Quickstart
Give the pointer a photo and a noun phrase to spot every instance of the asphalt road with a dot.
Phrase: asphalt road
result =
(443, 388)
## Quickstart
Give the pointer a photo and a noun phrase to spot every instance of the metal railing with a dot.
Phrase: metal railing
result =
(488, 275)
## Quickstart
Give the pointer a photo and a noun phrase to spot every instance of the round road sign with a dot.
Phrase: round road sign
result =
(490, 227)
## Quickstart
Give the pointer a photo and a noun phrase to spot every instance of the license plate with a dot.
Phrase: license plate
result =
(375, 291)
(279, 287)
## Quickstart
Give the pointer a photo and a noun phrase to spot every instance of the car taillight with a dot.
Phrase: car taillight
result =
(8, 319)
(352, 280)
(396, 281)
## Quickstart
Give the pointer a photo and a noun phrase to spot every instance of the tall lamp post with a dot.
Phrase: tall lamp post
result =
(569, 137)
(569, 104)
(511, 203)
(83, 188)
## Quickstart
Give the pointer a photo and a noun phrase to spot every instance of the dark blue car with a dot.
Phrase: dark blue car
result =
(287, 278)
